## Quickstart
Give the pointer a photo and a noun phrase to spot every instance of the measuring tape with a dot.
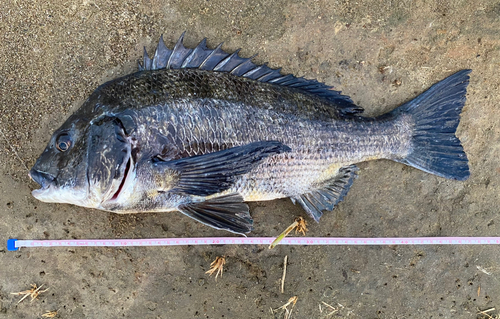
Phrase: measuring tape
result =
(15, 244)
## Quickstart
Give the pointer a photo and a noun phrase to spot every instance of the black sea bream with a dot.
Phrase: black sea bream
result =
(201, 131)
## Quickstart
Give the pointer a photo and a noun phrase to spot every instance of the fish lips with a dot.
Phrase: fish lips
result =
(43, 179)
(51, 193)
(43, 194)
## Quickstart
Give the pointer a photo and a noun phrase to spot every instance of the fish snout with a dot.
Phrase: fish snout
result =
(44, 179)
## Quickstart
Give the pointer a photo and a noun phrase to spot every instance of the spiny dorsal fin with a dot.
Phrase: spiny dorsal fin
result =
(218, 60)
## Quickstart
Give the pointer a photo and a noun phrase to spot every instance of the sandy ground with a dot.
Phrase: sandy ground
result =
(381, 53)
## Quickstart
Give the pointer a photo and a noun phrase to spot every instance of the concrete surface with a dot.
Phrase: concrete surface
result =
(53, 54)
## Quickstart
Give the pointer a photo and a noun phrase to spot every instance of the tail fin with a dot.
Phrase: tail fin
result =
(436, 114)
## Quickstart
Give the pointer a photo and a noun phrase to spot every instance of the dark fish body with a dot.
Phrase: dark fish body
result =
(202, 131)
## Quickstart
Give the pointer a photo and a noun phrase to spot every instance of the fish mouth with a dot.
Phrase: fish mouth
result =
(41, 192)
(41, 178)
(50, 192)
(45, 181)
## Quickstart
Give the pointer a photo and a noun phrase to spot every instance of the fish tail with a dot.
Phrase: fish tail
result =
(436, 114)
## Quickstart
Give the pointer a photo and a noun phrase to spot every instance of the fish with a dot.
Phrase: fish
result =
(202, 131)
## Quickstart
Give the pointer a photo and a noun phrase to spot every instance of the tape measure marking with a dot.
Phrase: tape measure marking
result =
(15, 244)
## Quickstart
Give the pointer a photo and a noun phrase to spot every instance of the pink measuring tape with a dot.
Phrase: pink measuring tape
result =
(15, 244)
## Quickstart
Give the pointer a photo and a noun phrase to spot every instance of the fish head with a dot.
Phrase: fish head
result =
(62, 167)
(86, 163)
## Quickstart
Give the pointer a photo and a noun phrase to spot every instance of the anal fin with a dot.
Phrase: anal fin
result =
(329, 194)
(226, 212)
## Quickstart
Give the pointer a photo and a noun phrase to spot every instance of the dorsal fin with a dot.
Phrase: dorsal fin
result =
(218, 60)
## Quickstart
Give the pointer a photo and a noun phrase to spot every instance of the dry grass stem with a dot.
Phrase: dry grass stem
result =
(34, 292)
(283, 235)
(50, 314)
(300, 225)
(217, 266)
(284, 274)
(334, 309)
(485, 313)
(483, 270)
(288, 313)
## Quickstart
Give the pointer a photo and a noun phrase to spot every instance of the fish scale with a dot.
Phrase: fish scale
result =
(201, 131)
(316, 146)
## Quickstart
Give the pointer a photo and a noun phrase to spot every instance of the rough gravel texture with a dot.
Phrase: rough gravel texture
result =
(381, 53)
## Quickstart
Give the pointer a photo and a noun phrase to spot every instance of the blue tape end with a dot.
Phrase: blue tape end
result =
(11, 245)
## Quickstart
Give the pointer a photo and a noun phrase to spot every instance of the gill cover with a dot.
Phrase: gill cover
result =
(109, 158)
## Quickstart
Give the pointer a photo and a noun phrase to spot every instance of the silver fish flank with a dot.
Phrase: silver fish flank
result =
(202, 131)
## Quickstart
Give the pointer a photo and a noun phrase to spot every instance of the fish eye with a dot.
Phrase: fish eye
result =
(63, 142)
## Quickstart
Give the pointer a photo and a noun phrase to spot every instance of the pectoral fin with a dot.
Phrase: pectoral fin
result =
(225, 212)
(330, 194)
(212, 173)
